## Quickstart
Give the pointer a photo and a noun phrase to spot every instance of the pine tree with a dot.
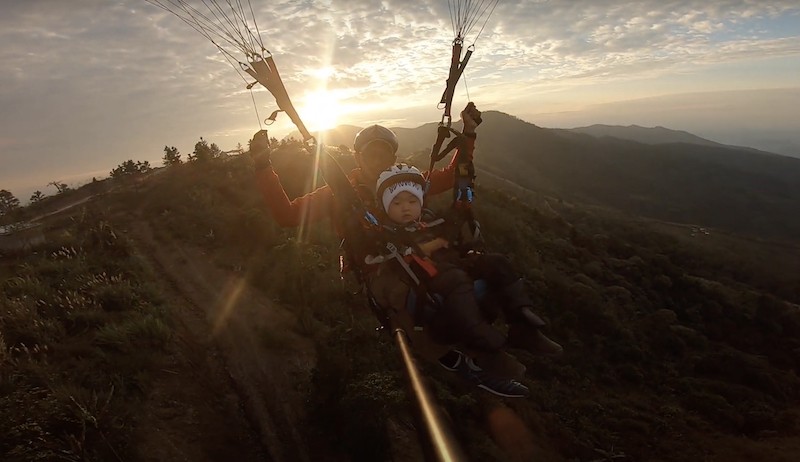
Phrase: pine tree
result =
(36, 196)
(171, 156)
(8, 202)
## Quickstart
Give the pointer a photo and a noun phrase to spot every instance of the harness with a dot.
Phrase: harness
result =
(367, 243)
(401, 246)
(464, 182)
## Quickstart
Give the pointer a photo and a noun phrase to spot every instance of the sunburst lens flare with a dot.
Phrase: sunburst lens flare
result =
(228, 303)
(321, 110)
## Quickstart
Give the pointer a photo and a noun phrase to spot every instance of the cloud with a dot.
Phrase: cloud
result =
(91, 83)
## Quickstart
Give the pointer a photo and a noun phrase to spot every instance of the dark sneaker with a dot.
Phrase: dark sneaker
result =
(498, 363)
(451, 360)
(532, 339)
(466, 368)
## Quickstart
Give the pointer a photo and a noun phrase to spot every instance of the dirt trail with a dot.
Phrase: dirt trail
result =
(255, 385)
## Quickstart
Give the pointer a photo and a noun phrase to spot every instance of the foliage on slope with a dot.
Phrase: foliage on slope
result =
(663, 338)
(81, 330)
(667, 343)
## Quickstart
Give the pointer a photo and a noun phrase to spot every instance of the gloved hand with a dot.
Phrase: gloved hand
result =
(260, 150)
(471, 117)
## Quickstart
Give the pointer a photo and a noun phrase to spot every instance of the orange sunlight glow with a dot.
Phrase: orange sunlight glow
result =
(321, 110)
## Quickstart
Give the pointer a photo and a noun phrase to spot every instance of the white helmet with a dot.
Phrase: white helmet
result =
(398, 178)
(375, 133)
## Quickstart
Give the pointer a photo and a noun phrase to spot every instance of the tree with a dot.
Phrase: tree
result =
(171, 156)
(8, 202)
(143, 167)
(36, 196)
(204, 152)
(60, 187)
(129, 167)
(126, 168)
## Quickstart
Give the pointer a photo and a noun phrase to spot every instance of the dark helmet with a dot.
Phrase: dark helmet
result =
(375, 133)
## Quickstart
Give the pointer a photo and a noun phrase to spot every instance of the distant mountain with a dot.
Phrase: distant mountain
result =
(746, 191)
(664, 174)
(661, 135)
(411, 139)
(646, 135)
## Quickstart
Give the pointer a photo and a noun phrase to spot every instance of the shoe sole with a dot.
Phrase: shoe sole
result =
(504, 395)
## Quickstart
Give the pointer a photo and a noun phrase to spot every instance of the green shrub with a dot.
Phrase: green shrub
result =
(22, 325)
(714, 408)
(117, 296)
(133, 333)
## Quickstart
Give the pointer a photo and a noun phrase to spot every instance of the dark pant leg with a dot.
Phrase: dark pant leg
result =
(506, 290)
(494, 268)
(459, 318)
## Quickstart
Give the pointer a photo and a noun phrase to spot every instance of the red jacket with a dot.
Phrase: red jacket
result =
(318, 204)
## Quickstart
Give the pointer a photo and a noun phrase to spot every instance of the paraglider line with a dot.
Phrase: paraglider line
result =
(255, 106)
(485, 21)
(255, 24)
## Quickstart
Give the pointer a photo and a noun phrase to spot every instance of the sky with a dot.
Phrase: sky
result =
(88, 84)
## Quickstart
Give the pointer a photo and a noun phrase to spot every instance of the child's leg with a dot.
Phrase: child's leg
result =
(459, 318)
(391, 292)
(509, 289)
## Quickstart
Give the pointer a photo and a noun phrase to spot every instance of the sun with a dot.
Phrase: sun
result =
(321, 110)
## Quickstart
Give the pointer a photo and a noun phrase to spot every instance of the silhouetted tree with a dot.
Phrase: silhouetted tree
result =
(204, 152)
(171, 156)
(36, 196)
(126, 168)
(8, 202)
(60, 187)
(129, 167)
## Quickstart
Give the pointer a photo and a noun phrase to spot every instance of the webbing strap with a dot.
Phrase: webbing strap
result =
(265, 71)
(457, 67)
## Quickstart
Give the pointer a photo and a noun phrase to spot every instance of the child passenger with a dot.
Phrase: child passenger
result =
(449, 274)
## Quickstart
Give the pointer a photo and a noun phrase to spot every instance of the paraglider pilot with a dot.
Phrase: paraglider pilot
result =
(375, 152)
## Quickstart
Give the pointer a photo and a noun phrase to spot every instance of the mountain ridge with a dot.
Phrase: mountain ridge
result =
(646, 135)
(344, 134)
(738, 189)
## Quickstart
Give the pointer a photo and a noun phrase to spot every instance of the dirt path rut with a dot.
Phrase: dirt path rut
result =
(224, 327)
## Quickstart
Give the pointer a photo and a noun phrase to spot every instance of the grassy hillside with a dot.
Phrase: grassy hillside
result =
(82, 331)
(676, 348)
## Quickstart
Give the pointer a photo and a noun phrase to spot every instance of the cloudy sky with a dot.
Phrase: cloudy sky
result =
(88, 84)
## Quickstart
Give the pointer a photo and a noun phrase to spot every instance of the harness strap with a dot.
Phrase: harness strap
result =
(265, 71)
(419, 291)
(425, 264)
(437, 153)
(457, 66)
(394, 253)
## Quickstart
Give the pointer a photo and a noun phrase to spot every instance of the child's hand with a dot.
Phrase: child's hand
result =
(432, 246)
